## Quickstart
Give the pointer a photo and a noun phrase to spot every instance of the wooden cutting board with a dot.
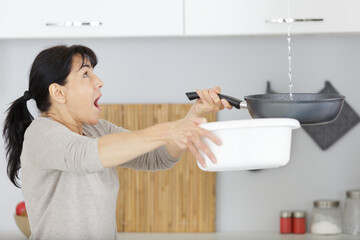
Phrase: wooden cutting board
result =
(181, 199)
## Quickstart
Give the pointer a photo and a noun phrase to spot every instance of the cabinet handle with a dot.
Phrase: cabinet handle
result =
(74, 24)
(291, 20)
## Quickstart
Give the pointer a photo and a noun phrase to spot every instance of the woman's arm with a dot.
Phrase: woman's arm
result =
(178, 136)
(118, 148)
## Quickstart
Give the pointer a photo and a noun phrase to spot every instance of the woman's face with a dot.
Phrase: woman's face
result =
(83, 92)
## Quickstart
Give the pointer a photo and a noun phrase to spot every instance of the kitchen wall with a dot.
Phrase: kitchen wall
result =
(161, 70)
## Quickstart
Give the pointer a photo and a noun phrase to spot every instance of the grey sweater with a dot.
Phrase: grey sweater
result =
(68, 193)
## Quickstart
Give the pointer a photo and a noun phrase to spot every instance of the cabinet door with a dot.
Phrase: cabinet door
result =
(149, 17)
(81, 18)
(49, 18)
(251, 17)
(233, 17)
(339, 16)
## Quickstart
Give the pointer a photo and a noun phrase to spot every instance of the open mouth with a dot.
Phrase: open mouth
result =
(96, 103)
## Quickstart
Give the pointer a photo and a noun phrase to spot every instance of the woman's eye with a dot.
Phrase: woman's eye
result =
(85, 75)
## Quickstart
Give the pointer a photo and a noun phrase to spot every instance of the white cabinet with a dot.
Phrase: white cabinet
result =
(339, 16)
(149, 17)
(137, 18)
(233, 17)
(249, 17)
(68, 18)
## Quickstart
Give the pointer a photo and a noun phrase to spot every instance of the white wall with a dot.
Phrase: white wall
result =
(161, 70)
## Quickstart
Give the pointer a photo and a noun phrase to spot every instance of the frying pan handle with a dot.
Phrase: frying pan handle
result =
(233, 101)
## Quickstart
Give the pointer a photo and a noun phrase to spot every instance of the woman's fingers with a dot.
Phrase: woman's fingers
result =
(216, 99)
(187, 135)
(197, 155)
(198, 142)
(226, 104)
(203, 132)
(205, 149)
(217, 89)
(209, 135)
(211, 100)
(205, 97)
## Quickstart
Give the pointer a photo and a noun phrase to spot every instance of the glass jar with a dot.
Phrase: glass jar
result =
(326, 218)
(352, 212)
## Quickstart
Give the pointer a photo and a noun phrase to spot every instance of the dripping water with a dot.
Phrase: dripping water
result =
(289, 20)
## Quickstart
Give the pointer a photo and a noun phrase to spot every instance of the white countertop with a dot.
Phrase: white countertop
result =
(17, 235)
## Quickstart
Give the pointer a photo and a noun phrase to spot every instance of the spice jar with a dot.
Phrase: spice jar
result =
(286, 222)
(326, 217)
(352, 212)
(299, 222)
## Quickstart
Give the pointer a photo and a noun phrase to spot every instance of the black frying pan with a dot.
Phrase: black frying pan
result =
(307, 108)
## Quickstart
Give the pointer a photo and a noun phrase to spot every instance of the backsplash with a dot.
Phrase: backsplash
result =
(161, 70)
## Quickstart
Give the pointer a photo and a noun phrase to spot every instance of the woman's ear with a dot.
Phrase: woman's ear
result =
(57, 93)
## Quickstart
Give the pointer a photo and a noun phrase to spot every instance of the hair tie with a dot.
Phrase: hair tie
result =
(27, 96)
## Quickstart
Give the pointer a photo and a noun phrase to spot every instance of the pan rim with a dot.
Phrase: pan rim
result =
(331, 97)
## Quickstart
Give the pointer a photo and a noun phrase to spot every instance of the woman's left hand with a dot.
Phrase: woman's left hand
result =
(209, 101)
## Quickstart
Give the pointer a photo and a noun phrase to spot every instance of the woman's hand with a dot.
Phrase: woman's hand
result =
(185, 134)
(209, 101)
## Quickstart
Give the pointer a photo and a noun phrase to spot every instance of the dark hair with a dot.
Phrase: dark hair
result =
(51, 65)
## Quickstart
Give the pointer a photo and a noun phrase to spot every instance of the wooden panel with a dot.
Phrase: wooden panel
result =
(181, 199)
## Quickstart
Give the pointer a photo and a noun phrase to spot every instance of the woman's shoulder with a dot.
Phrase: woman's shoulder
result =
(43, 125)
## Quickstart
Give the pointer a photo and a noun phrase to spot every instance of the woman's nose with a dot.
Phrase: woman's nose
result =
(99, 83)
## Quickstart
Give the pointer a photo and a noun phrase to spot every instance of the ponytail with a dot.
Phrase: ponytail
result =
(17, 121)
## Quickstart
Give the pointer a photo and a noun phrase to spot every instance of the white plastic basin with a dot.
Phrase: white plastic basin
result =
(250, 144)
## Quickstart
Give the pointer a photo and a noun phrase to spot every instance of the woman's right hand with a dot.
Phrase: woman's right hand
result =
(185, 134)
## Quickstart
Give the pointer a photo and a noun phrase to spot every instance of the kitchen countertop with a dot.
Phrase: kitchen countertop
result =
(231, 236)
(16, 235)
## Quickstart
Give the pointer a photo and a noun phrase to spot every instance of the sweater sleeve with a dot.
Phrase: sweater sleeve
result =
(158, 159)
(52, 146)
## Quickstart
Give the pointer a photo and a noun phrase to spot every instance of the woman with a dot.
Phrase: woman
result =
(68, 156)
